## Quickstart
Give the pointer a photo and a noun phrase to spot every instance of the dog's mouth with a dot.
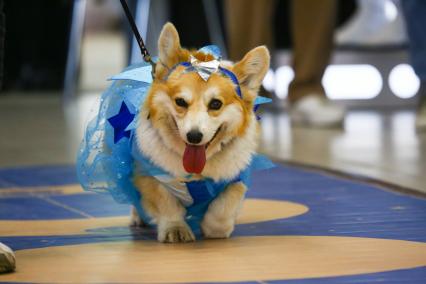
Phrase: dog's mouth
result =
(194, 157)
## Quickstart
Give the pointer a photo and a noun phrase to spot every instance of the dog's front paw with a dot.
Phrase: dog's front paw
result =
(175, 232)
(215, 227)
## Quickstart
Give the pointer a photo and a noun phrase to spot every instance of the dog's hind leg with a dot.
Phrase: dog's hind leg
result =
(219, 220)
(166, 211)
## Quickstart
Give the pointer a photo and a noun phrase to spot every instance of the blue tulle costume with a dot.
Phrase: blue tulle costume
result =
(108, 153)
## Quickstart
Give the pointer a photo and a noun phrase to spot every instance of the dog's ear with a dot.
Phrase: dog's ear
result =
(251, 70)
(169, 45)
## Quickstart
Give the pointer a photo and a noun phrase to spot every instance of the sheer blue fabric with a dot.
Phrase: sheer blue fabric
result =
(106, 161)
(204, 191)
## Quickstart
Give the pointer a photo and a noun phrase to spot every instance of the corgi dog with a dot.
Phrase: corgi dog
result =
(202, 128)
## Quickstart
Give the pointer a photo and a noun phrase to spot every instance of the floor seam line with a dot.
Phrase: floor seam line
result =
(64, 206)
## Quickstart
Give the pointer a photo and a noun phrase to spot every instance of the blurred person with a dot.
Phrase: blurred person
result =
(36, 44)
(415, 17)
(313, 22)
(377, 23)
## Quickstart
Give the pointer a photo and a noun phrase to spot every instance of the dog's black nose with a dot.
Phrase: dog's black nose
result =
(194, 136)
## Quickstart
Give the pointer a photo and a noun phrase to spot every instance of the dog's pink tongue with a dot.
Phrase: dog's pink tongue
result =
(194, 158)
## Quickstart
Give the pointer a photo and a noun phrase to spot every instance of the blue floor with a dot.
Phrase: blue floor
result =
(337, 207)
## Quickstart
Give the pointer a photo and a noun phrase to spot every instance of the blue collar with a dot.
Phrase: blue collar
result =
(201, 190)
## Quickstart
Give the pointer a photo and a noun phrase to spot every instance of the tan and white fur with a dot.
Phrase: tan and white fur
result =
(230, 132)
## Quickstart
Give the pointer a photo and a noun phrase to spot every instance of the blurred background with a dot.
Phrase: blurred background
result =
(57, 56)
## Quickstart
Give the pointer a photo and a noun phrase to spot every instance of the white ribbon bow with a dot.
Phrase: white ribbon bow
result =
(205, 68)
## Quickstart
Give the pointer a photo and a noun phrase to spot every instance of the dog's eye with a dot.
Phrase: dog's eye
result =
(181, 102)
(215, 104)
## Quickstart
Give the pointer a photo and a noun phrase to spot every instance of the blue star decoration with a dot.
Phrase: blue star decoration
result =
(120, 121)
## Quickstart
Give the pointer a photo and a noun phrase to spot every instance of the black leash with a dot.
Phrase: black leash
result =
(144, 51)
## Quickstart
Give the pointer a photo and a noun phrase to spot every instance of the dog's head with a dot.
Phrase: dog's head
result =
(196, 118)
